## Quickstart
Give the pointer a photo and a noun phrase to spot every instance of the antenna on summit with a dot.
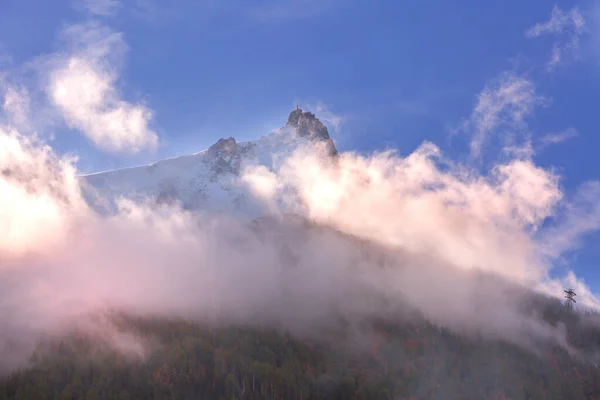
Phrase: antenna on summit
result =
(570, 298)
(297, 106)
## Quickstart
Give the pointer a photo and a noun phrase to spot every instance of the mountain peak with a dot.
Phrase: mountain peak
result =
(295, 116)
(210, 179)
(224, 146)
(298, 116)
(308, 125)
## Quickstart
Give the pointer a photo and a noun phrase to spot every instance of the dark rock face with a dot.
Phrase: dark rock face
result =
(307, 125)
(224, 156)
(223, 146)
(294, 117)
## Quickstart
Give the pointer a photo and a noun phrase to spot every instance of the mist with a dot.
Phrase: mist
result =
(353, 237)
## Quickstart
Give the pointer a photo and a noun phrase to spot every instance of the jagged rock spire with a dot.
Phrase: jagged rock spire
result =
(308, 125)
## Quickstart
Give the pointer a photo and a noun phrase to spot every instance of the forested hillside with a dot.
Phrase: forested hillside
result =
(408, 359)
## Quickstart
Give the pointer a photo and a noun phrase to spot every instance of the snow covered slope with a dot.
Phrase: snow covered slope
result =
(208, 180)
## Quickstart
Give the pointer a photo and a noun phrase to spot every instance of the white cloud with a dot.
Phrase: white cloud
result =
(570, 24)
(505, 103)
(558, 137)
(37, 189)
(410, 203)
(445, 218)
(102, 7)
(82, 85)
(16, 105)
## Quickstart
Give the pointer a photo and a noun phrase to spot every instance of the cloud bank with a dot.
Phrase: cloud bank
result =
(376, 234)
(372, 235)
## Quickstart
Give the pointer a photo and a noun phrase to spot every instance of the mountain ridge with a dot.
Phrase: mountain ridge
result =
(209, 179)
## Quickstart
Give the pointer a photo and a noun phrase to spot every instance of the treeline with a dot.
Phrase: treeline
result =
(193, 363)
(408, 360)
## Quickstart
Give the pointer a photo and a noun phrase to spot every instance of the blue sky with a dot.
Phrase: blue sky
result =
(381, 74)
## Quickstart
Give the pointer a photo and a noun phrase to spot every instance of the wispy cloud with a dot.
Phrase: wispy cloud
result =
(580, 216)
(569, 24)
(557, 137)
(332, 120)
(558, 23)
(505, 103)
(82, 85)
(16, 105)
(102, 7)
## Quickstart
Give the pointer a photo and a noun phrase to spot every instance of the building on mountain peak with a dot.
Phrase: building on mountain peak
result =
(309, 126)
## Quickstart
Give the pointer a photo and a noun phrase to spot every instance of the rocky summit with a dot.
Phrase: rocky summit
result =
(308, 125)
(209, 180)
